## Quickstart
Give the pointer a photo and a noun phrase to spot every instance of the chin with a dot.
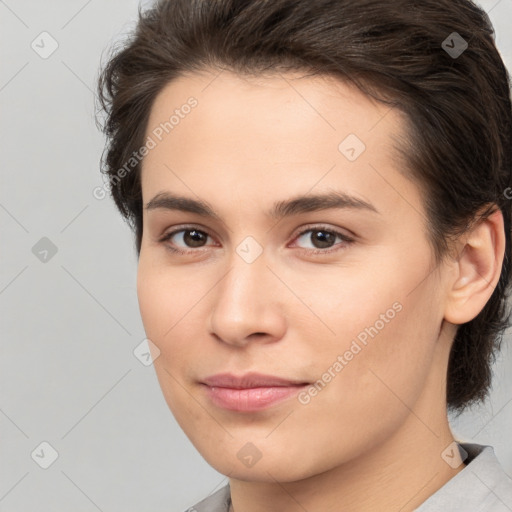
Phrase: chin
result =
(275, 463)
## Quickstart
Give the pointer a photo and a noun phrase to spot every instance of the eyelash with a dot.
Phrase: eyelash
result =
(346, 240)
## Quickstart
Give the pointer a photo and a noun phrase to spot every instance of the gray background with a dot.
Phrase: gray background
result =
(70, 324)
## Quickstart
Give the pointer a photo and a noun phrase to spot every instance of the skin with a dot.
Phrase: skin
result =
(372, 438)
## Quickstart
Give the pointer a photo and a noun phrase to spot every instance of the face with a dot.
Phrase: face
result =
(283, 323)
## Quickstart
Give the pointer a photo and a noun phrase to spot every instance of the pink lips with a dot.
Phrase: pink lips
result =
(250, 392)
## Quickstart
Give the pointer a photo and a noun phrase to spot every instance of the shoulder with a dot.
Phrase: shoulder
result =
(217, 502)
(482, 486)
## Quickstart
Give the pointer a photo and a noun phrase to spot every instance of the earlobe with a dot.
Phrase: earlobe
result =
(477, 269)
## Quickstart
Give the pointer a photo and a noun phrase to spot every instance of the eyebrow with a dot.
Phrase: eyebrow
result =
(280, 209)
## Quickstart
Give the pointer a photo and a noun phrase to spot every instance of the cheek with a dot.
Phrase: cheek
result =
(165, 296)
(368, 396)
(161, 308)
(152, 302)
(398, 344)
(170, 304)
(376, 363)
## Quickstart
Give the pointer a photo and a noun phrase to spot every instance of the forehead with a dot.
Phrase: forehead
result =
(292, 105)
(261, 136)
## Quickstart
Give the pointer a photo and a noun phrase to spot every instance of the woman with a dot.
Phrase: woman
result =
(320, 210)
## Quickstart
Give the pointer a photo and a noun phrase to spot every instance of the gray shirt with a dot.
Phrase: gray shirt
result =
(482, 486)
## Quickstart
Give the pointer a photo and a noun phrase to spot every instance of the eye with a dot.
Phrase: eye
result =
(185, 238)
(321, 239)
(314, 240)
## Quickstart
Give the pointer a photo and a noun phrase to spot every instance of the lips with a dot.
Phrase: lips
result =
(249, 380)
(250, 392)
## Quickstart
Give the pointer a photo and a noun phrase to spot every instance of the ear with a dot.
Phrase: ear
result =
(477, 270)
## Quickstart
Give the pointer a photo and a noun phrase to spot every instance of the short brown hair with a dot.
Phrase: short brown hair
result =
(459, 146)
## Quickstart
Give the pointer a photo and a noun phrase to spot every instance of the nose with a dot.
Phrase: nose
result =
(247, 304)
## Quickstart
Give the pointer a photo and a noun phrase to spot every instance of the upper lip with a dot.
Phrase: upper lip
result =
(248, 380)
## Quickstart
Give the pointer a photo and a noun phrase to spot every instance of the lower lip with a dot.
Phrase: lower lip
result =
(250, 399)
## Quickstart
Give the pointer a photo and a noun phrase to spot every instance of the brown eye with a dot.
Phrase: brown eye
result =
(322, 240)
(194, 238)
(186, 238)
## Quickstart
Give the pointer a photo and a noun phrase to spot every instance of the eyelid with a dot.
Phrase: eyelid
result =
(344, 233)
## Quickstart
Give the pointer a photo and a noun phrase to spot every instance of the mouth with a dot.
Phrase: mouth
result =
(250, 392)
